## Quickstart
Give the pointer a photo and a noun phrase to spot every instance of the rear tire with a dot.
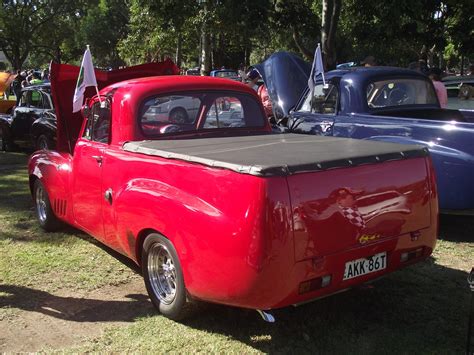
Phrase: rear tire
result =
(163, 276)
(47, 220)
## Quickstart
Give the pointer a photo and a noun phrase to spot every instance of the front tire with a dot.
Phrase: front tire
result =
(163, 276)
(47, 220)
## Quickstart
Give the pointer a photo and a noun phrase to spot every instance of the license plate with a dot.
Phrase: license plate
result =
(365, 266)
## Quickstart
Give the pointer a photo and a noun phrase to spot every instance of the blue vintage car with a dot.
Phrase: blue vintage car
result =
(383, 104)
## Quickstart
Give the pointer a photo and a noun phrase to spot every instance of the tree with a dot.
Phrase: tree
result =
(102, 27)
(331, 9)
(22, 20)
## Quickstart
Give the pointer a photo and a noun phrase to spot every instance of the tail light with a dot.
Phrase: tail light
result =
(410, 255)
(314, 284)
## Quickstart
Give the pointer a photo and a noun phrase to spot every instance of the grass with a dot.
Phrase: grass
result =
(45, 261)
(421, 309)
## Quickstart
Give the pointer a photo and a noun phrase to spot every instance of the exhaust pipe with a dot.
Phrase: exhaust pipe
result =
(267, 317)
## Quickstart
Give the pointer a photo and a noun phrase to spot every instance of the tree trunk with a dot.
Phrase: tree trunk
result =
(206, 45)
(330, 18)
(299, 43)
(179, 54)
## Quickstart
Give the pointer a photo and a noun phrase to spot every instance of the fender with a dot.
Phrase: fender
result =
(53, 169)
(200, 231)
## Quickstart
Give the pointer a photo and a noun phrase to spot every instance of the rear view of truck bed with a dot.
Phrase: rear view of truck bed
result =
(357, 210)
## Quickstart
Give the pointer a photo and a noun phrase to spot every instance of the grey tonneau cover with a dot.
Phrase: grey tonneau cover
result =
(276, 154)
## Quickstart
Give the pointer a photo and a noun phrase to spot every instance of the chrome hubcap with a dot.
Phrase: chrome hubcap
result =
(162, 273)
(41, 204)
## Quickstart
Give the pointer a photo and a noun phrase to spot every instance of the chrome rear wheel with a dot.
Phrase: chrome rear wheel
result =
(163, 276)
(162, 273)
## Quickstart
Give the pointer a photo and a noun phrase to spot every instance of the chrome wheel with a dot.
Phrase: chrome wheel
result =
(162, 273)
(41, 207)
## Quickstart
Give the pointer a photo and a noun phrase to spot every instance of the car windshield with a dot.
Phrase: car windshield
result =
(400, 92)
(187, 112)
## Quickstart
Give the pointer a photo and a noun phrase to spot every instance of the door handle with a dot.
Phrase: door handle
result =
(98, 159)
(108, 195)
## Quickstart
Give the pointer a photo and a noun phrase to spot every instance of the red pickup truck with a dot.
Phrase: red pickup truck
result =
(213, 206)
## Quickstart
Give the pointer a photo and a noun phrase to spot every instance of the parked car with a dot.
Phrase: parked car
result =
(232, 214)
(226, 74)
(460, 86)
(379, 103)
(33, 121)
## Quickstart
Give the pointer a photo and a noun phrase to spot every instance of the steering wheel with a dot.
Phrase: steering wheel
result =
(397, 97)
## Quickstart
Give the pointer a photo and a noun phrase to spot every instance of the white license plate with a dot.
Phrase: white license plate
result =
(365, 266)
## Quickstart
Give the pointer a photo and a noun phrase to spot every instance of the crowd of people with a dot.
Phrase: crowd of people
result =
(26, 78)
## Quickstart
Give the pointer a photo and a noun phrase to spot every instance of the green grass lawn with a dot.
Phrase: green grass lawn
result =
(45, 261)
(421, 309)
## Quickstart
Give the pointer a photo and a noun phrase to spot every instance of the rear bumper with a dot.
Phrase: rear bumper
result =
(276, 288)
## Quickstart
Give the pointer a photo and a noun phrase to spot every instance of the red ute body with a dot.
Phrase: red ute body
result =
(245, 240)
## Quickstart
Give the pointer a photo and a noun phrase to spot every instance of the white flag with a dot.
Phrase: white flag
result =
(86, 78)
(316, 69)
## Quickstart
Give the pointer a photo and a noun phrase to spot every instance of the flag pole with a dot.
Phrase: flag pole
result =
(322, 73)
(96, 87)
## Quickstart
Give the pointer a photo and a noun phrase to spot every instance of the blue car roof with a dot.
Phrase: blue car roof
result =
(369, 73)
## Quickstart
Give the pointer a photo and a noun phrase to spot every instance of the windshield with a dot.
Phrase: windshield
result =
(189, 112)
(400, 92)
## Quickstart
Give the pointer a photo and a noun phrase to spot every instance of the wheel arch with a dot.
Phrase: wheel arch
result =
(32, 179)
(141, 236)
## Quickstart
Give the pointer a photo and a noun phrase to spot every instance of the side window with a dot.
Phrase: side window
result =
(98, 123)
(323, 101)
(46, 101)
(35, 99)
(225, 112)
(101, 122)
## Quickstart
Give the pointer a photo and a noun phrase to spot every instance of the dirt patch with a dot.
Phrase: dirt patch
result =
(41, 320)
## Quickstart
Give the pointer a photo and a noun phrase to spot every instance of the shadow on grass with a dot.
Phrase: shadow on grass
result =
(75, 309)
(420, 309)
(456, 228)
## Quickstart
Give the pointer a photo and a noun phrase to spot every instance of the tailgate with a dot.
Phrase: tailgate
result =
(344, 208)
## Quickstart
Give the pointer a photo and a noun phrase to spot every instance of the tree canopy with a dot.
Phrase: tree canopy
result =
(228, 33)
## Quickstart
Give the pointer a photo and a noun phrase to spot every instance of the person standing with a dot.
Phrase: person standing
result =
(16, 86)
(441, 91)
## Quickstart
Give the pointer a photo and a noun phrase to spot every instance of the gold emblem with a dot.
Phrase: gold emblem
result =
(366, 238)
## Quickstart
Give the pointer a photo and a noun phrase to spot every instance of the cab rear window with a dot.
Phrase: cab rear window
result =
(187, 112)
(400, 92)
